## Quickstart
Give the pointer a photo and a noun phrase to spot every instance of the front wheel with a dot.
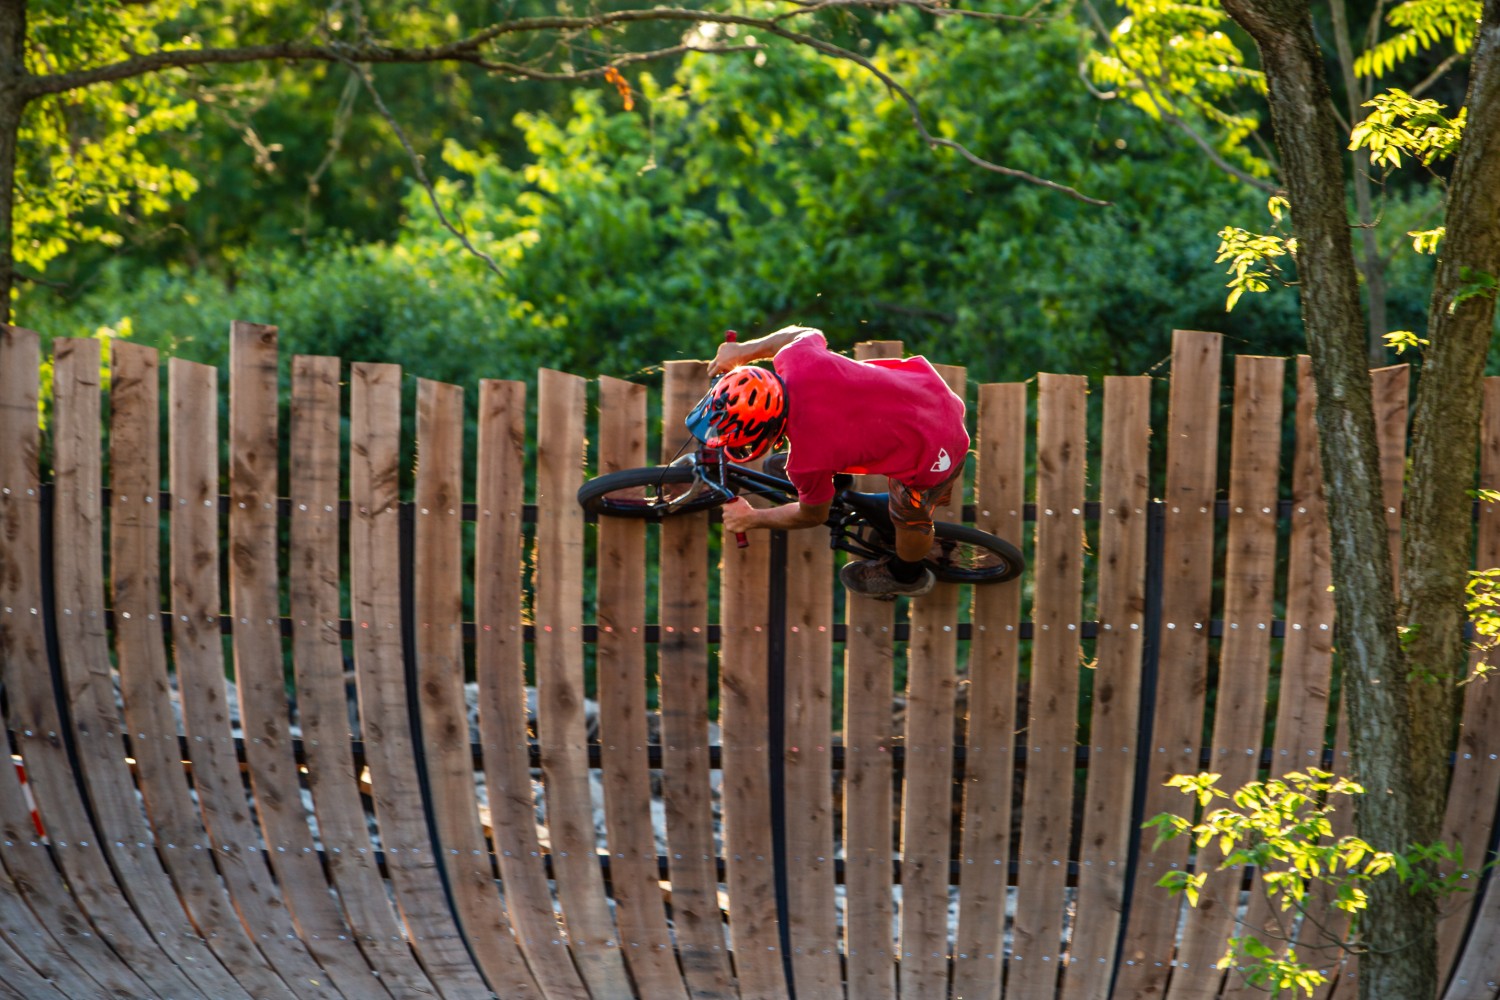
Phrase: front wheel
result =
(653, 493)
(961, 554)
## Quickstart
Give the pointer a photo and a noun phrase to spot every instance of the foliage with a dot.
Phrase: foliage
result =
(1189, 64)
(292, 150)
(1252, 256)
(360, 303)
(1399, 125)
(750, 191)
(1402, 123)
(734, 202)
(83, 154)
(1178, 59)
(1282, 828)
(1427, 23)
(1483, 606)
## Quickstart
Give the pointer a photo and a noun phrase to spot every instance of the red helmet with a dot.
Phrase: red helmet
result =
(745, 411)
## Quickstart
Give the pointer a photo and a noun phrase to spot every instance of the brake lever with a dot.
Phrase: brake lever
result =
(722, 489)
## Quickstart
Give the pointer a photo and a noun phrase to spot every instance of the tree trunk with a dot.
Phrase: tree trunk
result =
(13, 99)
(1446, 431)
(1399, 931)
(1371, 261)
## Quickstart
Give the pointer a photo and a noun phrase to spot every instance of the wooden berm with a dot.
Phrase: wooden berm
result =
(676, 770)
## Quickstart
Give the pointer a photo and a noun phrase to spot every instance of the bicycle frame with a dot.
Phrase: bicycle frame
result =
(850, 515)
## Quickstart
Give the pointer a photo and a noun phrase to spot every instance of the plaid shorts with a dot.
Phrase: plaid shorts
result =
(912, 508)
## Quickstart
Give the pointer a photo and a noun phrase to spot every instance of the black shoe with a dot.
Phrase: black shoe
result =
(872, 578)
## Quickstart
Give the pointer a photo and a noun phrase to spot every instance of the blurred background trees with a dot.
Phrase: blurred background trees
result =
(742, 190)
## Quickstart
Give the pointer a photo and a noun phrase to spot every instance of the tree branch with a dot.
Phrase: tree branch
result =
(470, 49)
(1436, 75)
(421, 174)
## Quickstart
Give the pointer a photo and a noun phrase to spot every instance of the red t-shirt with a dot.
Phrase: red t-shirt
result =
(892, 417)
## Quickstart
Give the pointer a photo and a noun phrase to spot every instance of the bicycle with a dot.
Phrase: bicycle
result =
(858, 523)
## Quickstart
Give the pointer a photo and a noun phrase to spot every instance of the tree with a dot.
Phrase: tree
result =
(1402, 659)
(1184, 65)
(73, 77)
(746, 193)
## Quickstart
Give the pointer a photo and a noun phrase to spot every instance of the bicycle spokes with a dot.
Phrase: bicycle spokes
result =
(951, 554)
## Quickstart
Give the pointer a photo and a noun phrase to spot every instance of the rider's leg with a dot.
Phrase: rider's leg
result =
(912, 543)
(911, 516)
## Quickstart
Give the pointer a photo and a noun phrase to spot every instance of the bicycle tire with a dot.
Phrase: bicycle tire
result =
(973, 555)
(646, 493)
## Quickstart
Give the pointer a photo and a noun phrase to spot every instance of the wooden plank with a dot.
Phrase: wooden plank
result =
(391, 751)
(49, 978)
(255, 603)
(562, 731)
(78, 595)
(811, 841)
(994, 666)
(199, 658)
(1188, 547)
(48, 923)
(25, 672)
(135, 542)
(623, 709)
(1307, 651)
(439, 608)
(1475, 786)
(927, 800)
(500, 669)
(683, 663)
(869, 736)
(1114, 726)
(318, 658)
(744, 700)
(49, 960)
(1052, 702)
(1307, 655)
(198, 648)
(1245, 654)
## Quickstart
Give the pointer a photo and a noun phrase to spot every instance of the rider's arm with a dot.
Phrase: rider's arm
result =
(740, 516)
(732, 354)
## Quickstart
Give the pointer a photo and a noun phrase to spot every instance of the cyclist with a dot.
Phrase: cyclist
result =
(891, 417)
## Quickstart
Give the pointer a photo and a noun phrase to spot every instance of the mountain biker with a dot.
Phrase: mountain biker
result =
(892, 417)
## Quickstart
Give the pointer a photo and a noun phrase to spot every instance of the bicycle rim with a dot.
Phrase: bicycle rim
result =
(653, 492)
(961, 554)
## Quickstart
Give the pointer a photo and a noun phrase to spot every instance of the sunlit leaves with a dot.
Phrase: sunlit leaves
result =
(1427, 23)
(1482, 601)
(1178, 59)
(1282, 828)
(81, 159)
(1403, 124)
(1252, 260)
(1402, 341)
(1427, 240)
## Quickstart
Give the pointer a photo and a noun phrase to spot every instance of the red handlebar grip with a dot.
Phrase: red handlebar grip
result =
(730, 336)
(740, 540)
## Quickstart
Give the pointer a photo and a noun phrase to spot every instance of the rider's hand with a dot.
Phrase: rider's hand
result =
(730, 355)
(738, 515)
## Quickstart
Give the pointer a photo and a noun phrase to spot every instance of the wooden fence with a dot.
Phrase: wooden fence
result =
(932, 799)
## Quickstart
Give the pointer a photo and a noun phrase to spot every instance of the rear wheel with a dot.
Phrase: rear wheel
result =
(653, 492)
(961, 554)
